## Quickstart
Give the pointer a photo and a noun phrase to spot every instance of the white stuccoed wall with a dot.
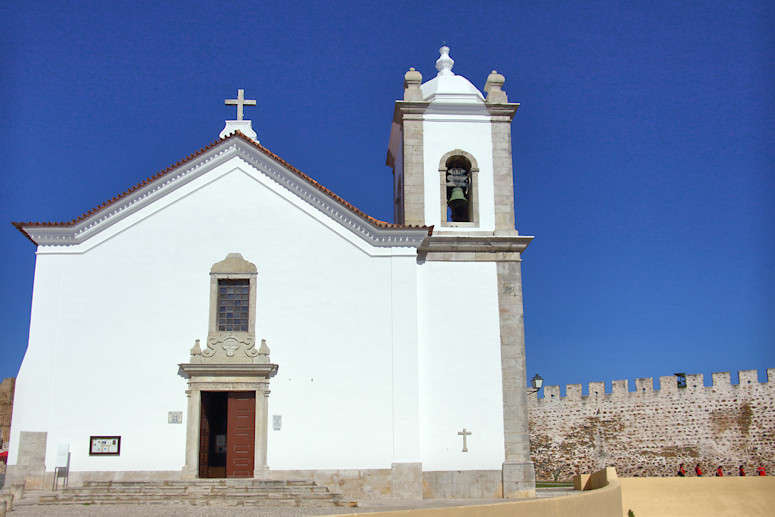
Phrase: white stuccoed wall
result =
(112, 317)
(473, 134)
(460, 372)
(460, 369)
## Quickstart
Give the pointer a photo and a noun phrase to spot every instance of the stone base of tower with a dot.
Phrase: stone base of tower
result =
(519, 480)
(406, 480)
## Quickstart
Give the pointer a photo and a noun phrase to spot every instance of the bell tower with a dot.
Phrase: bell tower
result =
(450, 150)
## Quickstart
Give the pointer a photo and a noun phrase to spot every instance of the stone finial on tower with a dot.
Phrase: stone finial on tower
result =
(412, 81)
(444, 63)
(495, 95)
(244, 126)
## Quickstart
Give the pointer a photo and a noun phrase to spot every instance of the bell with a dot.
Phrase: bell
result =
(457, 199)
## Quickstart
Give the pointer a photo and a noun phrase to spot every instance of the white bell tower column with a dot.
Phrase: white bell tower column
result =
(450, 150)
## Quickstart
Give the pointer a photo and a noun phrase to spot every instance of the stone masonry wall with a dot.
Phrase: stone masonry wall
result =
(6, 405)
(650, 432)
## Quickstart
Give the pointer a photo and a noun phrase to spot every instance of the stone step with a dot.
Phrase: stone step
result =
(252, 483)
(204, 501)
(226, 492)
(173, 495)
(205, 482)
(108, 497)
(197, 490)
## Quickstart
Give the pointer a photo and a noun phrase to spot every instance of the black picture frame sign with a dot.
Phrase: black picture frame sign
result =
(104, 445)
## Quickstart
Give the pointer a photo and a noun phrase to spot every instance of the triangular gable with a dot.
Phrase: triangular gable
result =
(373, 231)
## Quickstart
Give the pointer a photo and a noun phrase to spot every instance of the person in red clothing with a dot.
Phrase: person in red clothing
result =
(681, 471)
(761, 471)
(720, 472)
(742, 470)
(698, 470)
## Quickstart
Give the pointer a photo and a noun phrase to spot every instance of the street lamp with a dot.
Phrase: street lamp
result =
(537, 382)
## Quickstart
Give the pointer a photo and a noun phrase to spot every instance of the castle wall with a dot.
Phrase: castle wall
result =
(6, 405)
(649, 432)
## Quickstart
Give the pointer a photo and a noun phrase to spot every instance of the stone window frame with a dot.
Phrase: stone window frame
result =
(474, 201)
(233, 267)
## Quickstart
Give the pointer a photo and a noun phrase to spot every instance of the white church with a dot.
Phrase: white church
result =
(231, 317)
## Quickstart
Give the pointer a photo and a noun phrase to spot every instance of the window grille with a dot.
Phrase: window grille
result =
(233, 305)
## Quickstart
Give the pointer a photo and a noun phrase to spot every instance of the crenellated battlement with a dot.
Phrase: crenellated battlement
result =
(648, 431)
(668, 386)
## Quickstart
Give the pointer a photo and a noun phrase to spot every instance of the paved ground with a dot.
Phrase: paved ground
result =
(28, 508)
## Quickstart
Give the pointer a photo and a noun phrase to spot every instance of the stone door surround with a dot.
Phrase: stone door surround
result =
(228, 362)
(228, 377)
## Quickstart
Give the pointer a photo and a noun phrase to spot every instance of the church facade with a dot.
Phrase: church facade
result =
(231, 317)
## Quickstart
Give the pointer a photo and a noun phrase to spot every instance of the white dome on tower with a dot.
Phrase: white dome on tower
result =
(447, 86)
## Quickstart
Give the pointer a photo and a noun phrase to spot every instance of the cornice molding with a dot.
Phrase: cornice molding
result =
(131, 203)
(359, 225)
(301, 187)
(503, 112)
(257, 371)
(408, 110)
(474, 248)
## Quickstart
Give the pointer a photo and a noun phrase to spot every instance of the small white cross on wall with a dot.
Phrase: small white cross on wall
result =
(464, 433)
(240, 101)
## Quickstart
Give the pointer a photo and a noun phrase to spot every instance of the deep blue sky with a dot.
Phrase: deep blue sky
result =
(644, 148)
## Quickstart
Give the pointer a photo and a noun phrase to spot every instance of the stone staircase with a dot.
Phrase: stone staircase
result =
(224, 492)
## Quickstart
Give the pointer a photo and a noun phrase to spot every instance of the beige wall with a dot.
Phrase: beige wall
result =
(604, 502)
(699, 497)
(646, 497)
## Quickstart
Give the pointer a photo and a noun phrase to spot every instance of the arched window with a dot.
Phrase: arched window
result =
(459, 182)
(459, 189)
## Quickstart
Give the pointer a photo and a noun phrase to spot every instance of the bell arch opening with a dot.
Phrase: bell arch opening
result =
(459, 185)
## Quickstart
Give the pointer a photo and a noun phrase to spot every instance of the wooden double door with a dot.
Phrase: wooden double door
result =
(227, 434)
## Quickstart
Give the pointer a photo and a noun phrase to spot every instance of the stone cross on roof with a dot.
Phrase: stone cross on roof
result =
(240, 101)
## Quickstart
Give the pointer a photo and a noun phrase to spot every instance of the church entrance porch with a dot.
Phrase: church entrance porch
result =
(226, 422)
(227, 434)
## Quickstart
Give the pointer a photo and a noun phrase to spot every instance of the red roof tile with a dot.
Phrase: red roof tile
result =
(382, 224)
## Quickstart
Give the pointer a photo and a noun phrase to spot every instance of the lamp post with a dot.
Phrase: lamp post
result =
(537, 382)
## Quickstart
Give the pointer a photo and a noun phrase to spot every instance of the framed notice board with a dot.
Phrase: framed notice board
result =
(104, 445)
